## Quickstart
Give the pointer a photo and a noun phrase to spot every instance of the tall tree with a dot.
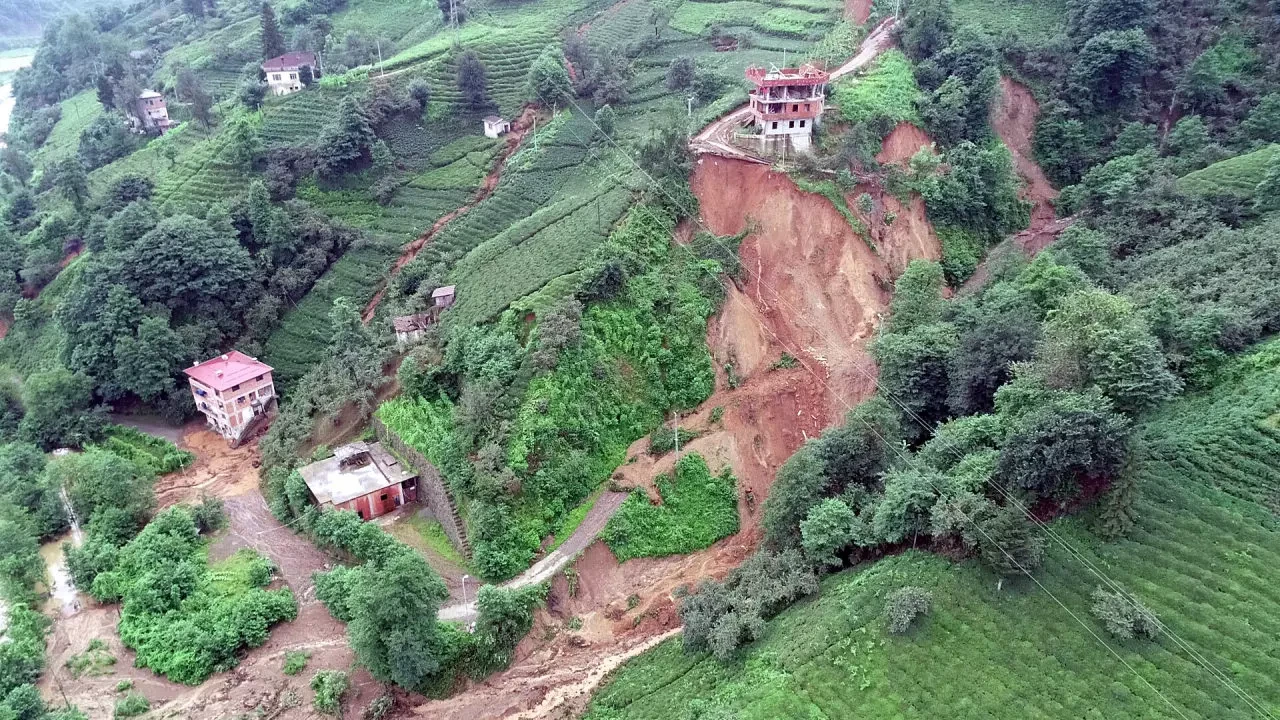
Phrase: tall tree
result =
(106, 93)
(471, 80)
(272, 40)
(393, 620)
(548, 81)
(191, 90)
(72, 182)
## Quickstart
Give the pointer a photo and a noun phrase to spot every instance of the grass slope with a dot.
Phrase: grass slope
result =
(1200, 557)
(887, 90)
(1236, 177)
(1028, 19)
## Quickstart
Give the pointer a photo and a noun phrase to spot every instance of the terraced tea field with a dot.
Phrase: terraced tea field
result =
(1236, 177)
(298, 118)
(1202, 557)
(304, 333)
(77, 112)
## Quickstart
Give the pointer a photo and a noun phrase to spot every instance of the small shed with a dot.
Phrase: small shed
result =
(363, 477)
(495, 126)
(411, 328)
(443, 297)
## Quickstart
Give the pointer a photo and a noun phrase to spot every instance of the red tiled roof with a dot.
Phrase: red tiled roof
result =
(290, 61)
(227, 370)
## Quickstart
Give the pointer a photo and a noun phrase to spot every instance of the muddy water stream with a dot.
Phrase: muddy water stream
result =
(63, 596)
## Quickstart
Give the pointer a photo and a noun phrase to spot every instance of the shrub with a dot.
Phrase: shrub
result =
(904, 605)
(1123, 617)
(663, 439)
(131, 705)
(330, 687)
(208, 514)
(295, 661)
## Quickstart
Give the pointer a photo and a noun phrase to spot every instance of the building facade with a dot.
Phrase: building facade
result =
(787, 104)
(495, 126)
(410, 328)
(361, 477)
(286, 74)
(152, 112)
(235, 392)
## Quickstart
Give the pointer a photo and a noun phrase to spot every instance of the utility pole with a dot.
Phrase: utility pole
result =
(677, 436)
(381, 70)
(453, 19)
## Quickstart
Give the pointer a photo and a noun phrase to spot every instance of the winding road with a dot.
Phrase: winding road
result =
(543, 570)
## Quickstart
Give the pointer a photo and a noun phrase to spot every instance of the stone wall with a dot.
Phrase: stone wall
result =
(432, 491)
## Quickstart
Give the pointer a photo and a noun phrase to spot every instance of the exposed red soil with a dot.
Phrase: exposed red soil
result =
(858, 11)
(519, 127)
(1014, 120)
(814, 289)
(904, 141)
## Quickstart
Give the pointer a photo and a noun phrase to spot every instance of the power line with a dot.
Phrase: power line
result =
(1196, 656)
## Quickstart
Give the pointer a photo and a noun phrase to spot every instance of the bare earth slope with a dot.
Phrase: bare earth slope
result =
(816, 290)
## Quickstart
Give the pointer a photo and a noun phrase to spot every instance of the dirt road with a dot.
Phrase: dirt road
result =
(717, 138)
(542, 571)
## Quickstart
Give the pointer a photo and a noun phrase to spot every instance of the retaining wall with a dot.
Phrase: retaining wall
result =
(433, 493)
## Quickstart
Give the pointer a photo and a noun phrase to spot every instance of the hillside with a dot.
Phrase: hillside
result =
(706, 415)
(1205, 538)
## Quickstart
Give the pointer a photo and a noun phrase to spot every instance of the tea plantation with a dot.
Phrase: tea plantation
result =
(1201, 558)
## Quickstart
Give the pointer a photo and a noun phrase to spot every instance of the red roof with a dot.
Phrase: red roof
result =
(227, 371)
(290, 61)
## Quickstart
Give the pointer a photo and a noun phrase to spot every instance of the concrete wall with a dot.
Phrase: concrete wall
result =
(432, 491)
(372, 505)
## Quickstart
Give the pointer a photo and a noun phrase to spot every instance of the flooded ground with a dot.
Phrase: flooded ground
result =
(10, 62)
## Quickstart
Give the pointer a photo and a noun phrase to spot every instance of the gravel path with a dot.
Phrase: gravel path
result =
(541, 571)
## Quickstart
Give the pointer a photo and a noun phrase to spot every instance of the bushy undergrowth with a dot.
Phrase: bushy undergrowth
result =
(178, 614)
(697, 509)
(393, 585)
(639, 352)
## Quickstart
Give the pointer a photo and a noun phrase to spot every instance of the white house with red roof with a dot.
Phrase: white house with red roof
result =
(235, 392)
(285, 73)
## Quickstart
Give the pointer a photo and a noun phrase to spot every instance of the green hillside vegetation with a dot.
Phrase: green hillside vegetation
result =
(1236, 177)
(1205, 538)
(886, 92)
(76, 114)
(1030, 20)
(697, 509)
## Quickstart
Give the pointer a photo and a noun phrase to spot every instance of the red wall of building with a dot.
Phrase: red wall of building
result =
(374, 505)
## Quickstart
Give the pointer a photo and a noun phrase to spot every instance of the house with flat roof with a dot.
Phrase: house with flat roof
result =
(235, 392)
(152, 112)
(291, 72)
(362, 477)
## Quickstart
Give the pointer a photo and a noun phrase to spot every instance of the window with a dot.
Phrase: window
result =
(360, 514)
(383, 496)
(235, 388)
(775, 125)
(240, 399)
(806, 106)
(795, 108)
(258, 379)
(801, 123)
(791, 124)
(293, 76)
(275, 76)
